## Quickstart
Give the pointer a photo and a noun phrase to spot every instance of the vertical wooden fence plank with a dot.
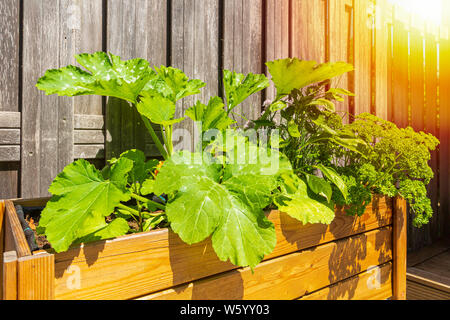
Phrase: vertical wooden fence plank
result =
(277, 36)
(432, 230)
(9, 85)
(339, 46)
(363, 54)
(400, 74)
(243, 47)
(81, 31)
(135, 29)
(400, 249)
(195, 50)
(444, 118)
(53, 32)
(308, 30)
(382, 22)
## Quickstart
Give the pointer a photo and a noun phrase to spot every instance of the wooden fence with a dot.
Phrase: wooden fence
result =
(402, 73)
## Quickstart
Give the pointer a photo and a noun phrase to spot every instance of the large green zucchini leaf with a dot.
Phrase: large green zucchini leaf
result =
(109, 76)
(293, 73)
(81, 200)
(228, 210)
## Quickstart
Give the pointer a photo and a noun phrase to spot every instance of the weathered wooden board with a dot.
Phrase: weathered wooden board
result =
(363, 24)
(172, 262)
(9, 92)
(431, 126)
(9, 55)
(243, 47)
(135, 29)
(373, 284)
(383, 20)
(7, 154)
(339, 26)
(53, 32)
(293, 275)
(195, 50)
(9, 119)
(277, 39)
(400, 107)
(309, 30)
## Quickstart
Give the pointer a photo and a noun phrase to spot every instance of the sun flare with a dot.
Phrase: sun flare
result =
(428, 10)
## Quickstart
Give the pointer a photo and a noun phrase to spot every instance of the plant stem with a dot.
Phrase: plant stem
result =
(126, 208)
(143, 199)
(155, 138)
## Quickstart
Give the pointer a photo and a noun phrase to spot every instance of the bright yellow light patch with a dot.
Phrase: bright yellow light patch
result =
(429, 10)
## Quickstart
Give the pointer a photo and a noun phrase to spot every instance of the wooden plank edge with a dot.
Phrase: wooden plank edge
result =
(21, 244)
(356, 287)
(426, 253)
(429, 279)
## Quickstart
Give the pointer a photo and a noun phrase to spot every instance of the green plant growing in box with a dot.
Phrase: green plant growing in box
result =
(210, 198)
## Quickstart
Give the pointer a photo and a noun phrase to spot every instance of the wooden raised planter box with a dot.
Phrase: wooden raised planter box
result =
(353, 258)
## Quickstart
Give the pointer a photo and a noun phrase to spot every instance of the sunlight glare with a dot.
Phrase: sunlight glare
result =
(428, 10)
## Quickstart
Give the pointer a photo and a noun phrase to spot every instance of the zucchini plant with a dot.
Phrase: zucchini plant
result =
(196, 199)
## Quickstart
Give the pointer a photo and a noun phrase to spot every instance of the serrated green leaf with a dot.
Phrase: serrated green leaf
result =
(158, 109)
(81, 199)
(173, 84)
(292, 73)
(239, 87)
(109, 76)
(335, 178)
(240, 232)
(244, 236)
(212, 116)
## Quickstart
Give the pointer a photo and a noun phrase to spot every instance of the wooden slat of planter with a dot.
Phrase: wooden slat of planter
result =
(292, 275)
(358, 287)
(20, 242)
(9, 275)
(159, 260)
(399, 249)
(35, 277)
